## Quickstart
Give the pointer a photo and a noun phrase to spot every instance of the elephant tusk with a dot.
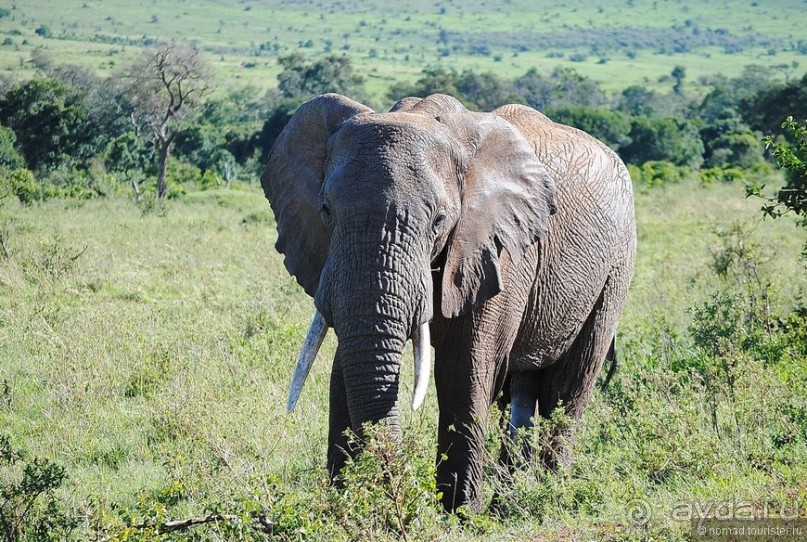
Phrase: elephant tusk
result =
(316, 334)
(421, 343)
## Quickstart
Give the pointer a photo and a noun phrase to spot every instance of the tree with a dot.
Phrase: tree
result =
(486, 91)
(664, 139)
(302, 79)
(432, 80)
(637, 100)
(274, 124)
(477, 91)
(766, 109)
(564, 86)
(538, 91)
(575, 89)
(9, 157)
(678, 74)
(130, 156)
(793, 159)
(791, 198)
(50, 123)
(611, 127)
(102, 100)
(738, 148)
(166, 85)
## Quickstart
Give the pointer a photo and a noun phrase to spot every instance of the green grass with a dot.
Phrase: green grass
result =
(148, 350)
(393, 42)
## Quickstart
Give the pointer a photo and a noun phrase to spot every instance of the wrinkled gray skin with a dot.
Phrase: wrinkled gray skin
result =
(513, 235)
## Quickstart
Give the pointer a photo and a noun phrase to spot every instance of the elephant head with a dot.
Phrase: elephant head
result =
(368, 204)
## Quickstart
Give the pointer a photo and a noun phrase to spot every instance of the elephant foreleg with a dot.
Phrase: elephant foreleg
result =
(467, 378)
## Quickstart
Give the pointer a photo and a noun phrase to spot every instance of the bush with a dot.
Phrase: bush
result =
(714, 175)
(664, 139)
(29, 510)
(657, 173)
(22, 184)
(389, 488)
(9, 156)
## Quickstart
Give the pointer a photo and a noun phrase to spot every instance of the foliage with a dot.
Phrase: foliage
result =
(793, 159)
(9, 157)
(389, 489)
(663, 139)
(273, 126)
(731, 147)
(302, 79)
(478, 91)
(611, 127)
(29, 509)
(657, 173)
(563, 86)
(792, 197)
(710, 176)
(765, 110)
(637, 100)
(49, 121)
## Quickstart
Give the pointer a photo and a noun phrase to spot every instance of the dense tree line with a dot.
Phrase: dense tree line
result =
(71, 130)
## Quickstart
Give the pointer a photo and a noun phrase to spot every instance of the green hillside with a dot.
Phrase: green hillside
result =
(617, 43)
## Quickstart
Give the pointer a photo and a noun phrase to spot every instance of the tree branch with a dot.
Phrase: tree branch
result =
(261, 522)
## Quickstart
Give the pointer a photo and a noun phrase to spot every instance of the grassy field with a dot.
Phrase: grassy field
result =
(622, 43)
(148, 350)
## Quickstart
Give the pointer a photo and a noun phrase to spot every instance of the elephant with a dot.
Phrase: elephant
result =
(502, 239)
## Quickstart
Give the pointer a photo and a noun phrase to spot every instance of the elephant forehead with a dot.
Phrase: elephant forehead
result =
(389, 151)
(383, 134)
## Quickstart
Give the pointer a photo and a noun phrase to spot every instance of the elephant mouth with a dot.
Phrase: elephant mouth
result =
(421, 341)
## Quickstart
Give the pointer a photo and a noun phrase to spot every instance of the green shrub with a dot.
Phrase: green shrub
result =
(657, 173)
(29, 510)
(388, 488)
(714, 175)
(181, 173)
(9, 155)
(22, 184)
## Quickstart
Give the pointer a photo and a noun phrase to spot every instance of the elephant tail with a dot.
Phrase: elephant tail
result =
(610, 357)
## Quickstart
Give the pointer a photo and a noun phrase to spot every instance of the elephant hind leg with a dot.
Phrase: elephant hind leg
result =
(519, 395)
(570, 381)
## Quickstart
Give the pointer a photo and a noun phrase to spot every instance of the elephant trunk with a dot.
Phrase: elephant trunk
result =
(375, 310)
(371, 367)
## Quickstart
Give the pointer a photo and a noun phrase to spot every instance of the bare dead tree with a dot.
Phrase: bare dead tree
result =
(165, 86)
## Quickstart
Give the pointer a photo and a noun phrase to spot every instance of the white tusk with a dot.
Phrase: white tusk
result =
(421, 342)
(316, 334)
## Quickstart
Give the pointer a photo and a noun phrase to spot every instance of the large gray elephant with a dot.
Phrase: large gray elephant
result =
(503, 239)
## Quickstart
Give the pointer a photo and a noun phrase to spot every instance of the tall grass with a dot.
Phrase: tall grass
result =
(147, 350)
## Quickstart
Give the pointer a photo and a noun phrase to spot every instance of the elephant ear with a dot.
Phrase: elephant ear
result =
(292, 181)
(507, 196)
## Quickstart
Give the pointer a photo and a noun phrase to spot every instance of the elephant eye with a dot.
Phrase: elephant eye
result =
(325, 212)
(439, 222)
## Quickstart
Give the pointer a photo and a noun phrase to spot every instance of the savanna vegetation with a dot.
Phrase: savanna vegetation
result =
(148, 329)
